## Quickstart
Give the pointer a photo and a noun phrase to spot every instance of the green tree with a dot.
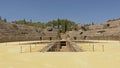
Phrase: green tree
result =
(5, 20)
(63, 24)
(93, 23)
(0, 18)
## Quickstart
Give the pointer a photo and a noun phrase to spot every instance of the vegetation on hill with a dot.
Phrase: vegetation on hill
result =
(62, 24)
(3, 20)
(113, 19)
(30, 23)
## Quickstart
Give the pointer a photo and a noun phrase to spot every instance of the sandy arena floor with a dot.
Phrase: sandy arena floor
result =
(100, 46)
(11, 56)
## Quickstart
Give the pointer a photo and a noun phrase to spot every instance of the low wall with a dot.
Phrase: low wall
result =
(96, 38)
(25, 38)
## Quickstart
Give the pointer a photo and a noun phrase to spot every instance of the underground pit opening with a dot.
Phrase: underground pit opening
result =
(60, 46)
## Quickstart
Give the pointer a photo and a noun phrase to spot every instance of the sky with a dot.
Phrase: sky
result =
(79, 11)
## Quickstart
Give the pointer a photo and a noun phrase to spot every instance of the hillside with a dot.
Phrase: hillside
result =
(21, 32)
(18, 32)
(106, 31)
(15, 32)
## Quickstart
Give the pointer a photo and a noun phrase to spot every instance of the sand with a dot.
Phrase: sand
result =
(100, 46)
(10, 57)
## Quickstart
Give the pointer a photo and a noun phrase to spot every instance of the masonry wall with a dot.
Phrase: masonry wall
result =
(96, 38)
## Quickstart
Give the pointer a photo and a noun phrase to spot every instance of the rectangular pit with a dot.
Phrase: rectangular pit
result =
(61, 46)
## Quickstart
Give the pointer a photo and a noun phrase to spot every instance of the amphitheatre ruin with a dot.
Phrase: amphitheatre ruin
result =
(94, 46)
